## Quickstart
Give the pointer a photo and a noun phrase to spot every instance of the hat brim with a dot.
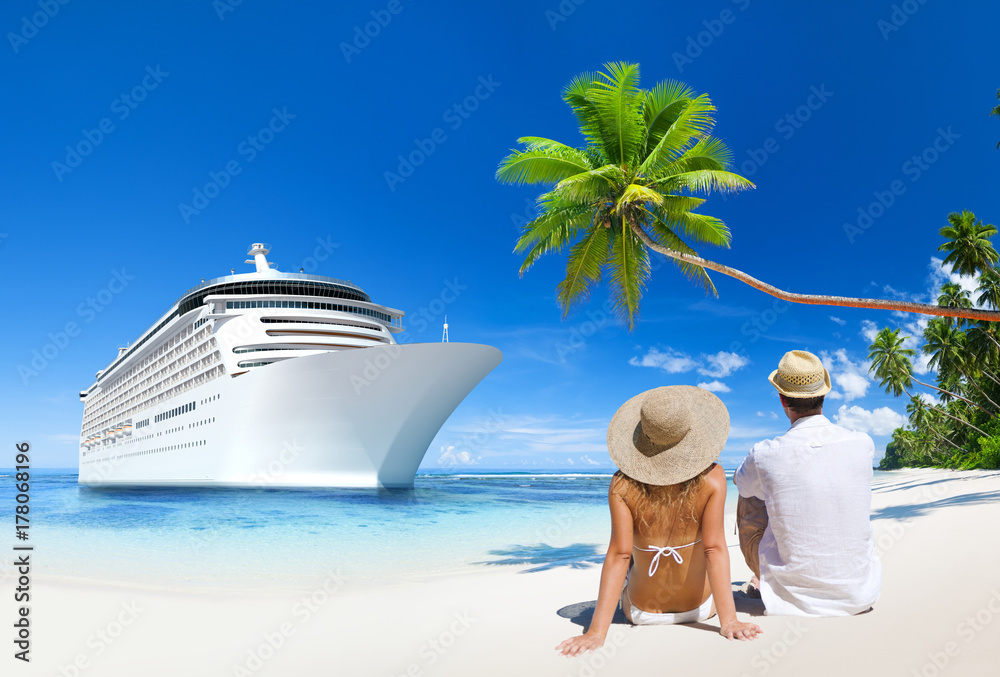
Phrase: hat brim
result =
(798, 394)
(698, 449)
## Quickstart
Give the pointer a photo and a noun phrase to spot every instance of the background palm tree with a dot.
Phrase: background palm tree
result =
(953, 296)
(633, 186)
(969, 248)
(890, 361)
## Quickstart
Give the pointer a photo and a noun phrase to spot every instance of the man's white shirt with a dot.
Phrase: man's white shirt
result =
(817, 555)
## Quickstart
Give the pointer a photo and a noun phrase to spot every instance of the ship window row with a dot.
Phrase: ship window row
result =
(148, 398)
(173, 447)
(142, 424)
(211, 399)
(264, 350)
(310, 305)
(275, 320)
(176, 411)
(255, 364)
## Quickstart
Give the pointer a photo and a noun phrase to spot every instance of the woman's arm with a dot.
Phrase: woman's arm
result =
(713, 537)
(612, 579)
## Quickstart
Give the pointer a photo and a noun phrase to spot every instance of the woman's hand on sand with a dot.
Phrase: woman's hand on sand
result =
(581, 644)
(740, 630)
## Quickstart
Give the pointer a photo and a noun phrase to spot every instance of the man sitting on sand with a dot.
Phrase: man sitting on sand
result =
(805, 501)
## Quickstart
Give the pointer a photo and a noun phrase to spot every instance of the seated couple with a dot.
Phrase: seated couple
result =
(803, 515)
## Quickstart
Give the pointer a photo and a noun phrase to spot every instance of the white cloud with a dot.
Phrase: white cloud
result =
(921, 364)
(449, 457)
(838, 320)
(881, 421)
(550, 435)
(773, 416)
(929, 399)
(672, 361)
(716, 387)
(869, 330)
(588, 460)
(569, 461)
(834, 395)
(669, 360)
(722, 364)
(942, 272)
(849, 376)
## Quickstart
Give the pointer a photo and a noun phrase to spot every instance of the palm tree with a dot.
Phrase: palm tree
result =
(921, 419)
(947, 346)
(989, 288)
(969, 248)
(953, 296)
(890, 361)
(633, 186)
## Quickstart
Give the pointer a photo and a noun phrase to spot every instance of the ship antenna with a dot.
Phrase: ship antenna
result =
(444, 336)
(258, 251)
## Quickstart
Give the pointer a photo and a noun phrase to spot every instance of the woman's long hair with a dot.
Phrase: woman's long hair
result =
(654, 507)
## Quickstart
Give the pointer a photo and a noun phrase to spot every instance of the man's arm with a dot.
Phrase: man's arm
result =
(747, 478)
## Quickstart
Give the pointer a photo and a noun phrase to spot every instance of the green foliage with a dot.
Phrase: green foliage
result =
(960, 427)
(648, 152)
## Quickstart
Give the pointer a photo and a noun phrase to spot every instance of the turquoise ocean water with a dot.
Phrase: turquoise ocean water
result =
(246, 537)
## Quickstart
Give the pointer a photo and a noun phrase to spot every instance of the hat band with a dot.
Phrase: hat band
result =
(806, 388)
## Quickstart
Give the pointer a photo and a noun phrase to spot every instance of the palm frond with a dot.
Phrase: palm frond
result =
(577, 95)
(541, 165)
(634, 194)
(694, 122)
(662, 105)
(700, 228)
(617, 99)
(583, 268)
(665, 236)
(629, 272)
(592, 186)
(704, 181)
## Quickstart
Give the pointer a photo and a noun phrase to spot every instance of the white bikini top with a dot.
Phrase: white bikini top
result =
(665, 550)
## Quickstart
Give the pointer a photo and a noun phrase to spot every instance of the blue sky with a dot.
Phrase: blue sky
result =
(293, 123)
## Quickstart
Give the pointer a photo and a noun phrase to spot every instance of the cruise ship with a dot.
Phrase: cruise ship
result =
(273, 379)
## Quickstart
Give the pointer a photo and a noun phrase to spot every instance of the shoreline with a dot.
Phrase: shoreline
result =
(934, 530)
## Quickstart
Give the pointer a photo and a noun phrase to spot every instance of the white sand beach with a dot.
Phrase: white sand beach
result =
(939, 614)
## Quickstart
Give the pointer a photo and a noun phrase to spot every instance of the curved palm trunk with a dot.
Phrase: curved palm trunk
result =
(945, 413)
(943, 438)
(817, 299)
(956, 396)
(975, 385)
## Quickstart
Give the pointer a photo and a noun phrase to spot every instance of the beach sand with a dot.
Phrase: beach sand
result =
(939, 614)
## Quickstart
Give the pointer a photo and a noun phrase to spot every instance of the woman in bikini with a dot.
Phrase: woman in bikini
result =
(668, 561)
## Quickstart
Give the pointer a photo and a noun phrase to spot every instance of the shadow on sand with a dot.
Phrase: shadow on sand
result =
(544, 557)
(582, 613)
(919, 509)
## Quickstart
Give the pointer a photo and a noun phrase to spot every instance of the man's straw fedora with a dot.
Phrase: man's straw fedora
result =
(800, 374)
(668, 435)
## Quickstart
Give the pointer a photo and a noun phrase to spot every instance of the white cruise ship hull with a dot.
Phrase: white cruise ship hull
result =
(348, 418)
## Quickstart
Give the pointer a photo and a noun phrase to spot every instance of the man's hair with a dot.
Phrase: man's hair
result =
(804, 405)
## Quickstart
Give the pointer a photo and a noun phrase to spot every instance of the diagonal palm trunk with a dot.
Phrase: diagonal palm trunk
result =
(955, 395)
(816, 299)
(945, 413)
(975, 385)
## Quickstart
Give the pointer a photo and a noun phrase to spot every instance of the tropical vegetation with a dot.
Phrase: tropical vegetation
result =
(953, 415)
(635, 187)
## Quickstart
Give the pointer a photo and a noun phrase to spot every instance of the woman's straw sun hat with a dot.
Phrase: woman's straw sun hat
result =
(668, 435)
(800, 374)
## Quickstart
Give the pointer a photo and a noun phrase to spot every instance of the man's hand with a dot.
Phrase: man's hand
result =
(581, 644)
(739, 630)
